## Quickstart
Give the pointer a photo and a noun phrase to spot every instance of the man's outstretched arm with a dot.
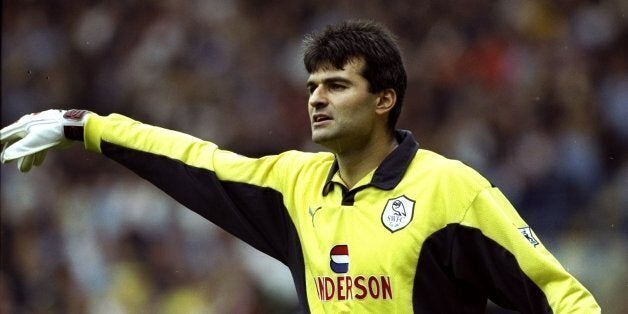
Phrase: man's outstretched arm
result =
(240, 194)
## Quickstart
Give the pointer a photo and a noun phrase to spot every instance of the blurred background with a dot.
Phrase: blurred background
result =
(532, 93)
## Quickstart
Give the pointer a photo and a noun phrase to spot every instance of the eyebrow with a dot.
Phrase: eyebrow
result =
(328, 80)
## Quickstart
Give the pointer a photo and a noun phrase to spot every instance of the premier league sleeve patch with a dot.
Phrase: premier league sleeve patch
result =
(397, 213)
(527, 233)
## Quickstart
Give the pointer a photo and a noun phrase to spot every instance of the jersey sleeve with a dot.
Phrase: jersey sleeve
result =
(241, 195)
(509, 262)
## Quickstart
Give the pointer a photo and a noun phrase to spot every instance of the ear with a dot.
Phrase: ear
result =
(387, 100)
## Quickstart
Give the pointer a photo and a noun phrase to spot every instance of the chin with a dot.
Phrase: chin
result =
(317, 139)
(326, 140)
(321, 138)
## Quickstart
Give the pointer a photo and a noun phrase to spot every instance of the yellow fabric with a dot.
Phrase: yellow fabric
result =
(381, 259)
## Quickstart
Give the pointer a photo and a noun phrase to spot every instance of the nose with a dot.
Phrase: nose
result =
(317, 98)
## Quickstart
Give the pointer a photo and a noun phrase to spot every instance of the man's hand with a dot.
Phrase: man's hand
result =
(30, 137)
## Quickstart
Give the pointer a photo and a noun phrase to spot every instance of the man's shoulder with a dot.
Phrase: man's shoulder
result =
(432, 159)
(303, 158)
(445, 167)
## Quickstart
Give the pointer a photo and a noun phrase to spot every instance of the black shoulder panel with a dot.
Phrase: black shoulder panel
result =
(254, 214)
(459, 269)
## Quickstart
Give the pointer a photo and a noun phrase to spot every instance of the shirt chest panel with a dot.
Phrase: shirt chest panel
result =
(379, 245)
(350, 245)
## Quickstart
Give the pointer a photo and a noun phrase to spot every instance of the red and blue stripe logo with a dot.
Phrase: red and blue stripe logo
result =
(339, 259)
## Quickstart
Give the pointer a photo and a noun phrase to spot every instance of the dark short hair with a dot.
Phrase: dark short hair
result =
(339, 43)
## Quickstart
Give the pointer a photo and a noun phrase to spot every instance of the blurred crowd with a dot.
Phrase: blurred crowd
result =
(531, 93)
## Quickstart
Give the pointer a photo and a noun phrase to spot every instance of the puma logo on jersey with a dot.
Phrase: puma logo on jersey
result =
(313, 212)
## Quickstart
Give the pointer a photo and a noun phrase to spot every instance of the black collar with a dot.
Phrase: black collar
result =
(391, 170)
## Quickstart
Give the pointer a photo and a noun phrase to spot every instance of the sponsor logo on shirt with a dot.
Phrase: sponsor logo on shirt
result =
(345, 287)
(339, 259)
(397, 213)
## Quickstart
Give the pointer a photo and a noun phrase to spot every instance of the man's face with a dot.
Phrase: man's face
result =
(341, 108)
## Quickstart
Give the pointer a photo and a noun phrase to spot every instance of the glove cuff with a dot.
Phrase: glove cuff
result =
(73, 123)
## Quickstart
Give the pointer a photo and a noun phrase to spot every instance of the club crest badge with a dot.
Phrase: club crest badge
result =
(397, 213)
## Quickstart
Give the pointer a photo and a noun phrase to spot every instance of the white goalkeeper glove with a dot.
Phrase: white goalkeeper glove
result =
(30, 137)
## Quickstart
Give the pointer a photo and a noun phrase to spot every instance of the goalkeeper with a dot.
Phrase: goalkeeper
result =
(377, 224)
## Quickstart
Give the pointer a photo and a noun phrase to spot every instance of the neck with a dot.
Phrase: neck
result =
(354, 164)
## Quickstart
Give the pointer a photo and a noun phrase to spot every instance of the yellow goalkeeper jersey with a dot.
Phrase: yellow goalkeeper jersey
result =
(419, 234)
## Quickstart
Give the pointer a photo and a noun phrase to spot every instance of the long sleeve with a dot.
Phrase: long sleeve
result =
(242, 195)
(511, 263)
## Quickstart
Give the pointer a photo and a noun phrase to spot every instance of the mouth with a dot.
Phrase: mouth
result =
(319, 117)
